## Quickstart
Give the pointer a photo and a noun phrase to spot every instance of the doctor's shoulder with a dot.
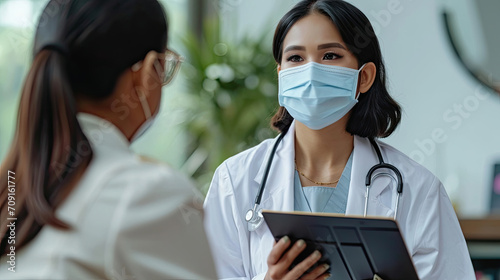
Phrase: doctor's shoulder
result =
(413, 172)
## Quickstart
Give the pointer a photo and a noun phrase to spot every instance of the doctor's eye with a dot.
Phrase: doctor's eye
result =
(331, 56)
(295, 58)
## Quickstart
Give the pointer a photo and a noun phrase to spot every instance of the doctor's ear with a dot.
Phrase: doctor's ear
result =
(278, 68)
(367, 77)
(145, 74)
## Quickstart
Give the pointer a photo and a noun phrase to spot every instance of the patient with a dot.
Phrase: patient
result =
(80, 204)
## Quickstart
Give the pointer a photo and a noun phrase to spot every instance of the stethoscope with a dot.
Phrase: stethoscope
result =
(254, 217)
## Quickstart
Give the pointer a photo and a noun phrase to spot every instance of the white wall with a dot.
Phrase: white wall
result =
(450, 124)
(430, 84)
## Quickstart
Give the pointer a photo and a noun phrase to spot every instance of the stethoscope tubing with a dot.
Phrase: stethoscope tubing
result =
(254, 221)
(268, 168)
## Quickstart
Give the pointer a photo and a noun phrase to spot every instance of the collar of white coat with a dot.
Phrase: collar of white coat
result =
(278, 193)
(102, 133)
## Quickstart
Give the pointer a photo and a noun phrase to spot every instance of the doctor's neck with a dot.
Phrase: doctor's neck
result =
(329, 147)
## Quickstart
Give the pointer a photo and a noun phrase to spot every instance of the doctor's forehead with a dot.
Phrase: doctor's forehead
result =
(312, 31)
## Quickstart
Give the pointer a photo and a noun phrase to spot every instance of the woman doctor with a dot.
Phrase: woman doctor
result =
(86, 207)
(332, 89)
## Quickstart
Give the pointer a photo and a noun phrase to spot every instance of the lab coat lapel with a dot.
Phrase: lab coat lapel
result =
(278, 193)
(364, 158)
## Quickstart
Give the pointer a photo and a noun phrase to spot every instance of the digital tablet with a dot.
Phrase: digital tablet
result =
(356, 248)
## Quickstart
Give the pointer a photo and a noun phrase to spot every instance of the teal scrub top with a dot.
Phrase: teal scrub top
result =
(323, 199)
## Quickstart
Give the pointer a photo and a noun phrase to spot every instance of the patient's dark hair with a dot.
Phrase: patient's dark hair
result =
(81, 48)
(376, 114)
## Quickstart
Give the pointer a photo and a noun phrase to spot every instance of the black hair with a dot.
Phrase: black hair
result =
(376, 114)
(81, 48)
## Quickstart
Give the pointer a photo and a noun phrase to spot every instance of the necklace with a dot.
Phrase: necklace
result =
(312, 181)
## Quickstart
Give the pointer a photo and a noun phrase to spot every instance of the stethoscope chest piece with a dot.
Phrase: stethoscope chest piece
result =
(254, 219)
(249, 215)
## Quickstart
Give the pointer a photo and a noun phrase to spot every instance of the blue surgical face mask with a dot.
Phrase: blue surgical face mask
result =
(318, 95)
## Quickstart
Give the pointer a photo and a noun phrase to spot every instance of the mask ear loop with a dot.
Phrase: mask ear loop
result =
(144, 103)
(142, 97)
(161, 72)
(359, 72)
(137, 66)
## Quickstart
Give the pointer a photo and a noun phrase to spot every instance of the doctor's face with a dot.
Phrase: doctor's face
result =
(315, 38)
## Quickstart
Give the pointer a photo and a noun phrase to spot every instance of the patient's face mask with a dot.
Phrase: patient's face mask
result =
(318, 95)
(166, 73)
(147, 113)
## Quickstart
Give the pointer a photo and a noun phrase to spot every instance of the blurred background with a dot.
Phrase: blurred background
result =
(442, 63)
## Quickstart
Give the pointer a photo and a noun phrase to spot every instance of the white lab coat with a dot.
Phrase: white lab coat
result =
(131, 219)
(425, 215)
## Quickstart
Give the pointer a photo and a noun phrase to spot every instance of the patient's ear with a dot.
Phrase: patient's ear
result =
(145, 74)
(278, 68)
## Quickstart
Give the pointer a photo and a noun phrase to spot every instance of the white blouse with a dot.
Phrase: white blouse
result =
(130, 219)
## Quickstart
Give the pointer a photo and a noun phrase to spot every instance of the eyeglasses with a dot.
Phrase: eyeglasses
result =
(166, 66)
(171, 64)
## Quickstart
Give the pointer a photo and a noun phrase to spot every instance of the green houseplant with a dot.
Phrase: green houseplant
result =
(232, 97)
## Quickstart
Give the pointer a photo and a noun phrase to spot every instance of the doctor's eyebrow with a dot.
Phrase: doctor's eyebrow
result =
(294, 48)
(320, 47)
(331, 45)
